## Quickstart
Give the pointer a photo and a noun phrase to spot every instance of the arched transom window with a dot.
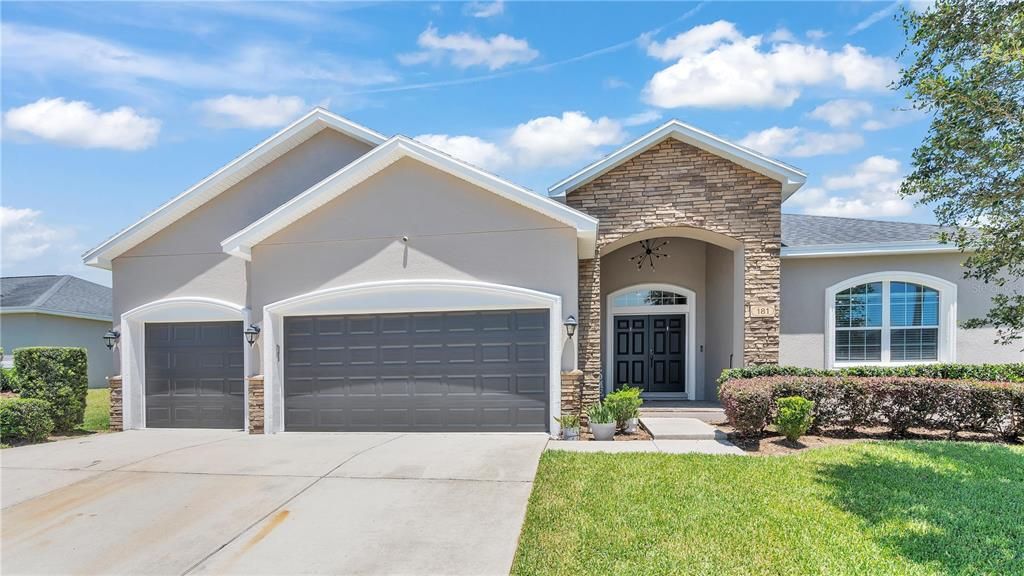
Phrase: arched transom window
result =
(896, 318)
(644, 297)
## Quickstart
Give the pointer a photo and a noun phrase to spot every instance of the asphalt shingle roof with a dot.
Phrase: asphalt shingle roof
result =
(805, 230)
(61, 294)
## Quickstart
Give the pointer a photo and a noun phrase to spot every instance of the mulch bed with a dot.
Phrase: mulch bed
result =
(774, 444)
(641, 434)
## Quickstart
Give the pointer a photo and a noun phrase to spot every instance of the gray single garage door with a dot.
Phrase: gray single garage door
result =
(454, 371)
(194, 375)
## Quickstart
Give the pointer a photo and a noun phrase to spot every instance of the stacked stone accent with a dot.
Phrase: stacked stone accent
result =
(571, 382)
(116, 403)
(255, 401)
(674, 184)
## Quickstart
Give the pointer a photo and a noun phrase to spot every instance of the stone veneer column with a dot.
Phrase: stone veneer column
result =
(589, 329)
(763, 274)
(116, 403)
(571, 391)
(255, 401)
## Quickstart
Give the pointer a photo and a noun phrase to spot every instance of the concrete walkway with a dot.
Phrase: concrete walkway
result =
(217, 502)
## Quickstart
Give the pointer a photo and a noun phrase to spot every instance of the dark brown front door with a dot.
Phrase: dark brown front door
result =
(650, 353)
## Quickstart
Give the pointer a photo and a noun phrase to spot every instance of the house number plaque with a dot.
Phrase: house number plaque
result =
(762, 310)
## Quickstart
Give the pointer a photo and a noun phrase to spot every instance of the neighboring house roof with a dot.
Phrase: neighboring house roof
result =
(791, 178)
(234, 172)
(56, 295)
(816, 236)
(241, 243)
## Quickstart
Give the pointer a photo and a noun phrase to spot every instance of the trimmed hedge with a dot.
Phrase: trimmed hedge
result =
(991, 372)
(898, 403)
(59, 376)
(8, 380)
(25, 419)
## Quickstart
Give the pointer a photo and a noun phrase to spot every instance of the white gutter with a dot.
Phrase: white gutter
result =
(866, 249)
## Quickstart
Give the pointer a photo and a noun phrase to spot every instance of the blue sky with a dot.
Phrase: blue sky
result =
(111, 109)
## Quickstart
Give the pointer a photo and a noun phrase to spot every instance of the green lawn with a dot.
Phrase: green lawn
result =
(97, 410)
(870, 508)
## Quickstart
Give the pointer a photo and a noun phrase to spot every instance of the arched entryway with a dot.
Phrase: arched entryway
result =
(676, 295)
(649, 340)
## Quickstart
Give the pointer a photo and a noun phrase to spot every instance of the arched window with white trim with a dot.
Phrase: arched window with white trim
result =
(891, 318)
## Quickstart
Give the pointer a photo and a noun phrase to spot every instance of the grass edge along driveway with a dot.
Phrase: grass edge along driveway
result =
(868, 508)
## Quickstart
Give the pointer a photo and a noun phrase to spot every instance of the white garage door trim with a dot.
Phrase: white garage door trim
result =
(133, 345)
(402, 296)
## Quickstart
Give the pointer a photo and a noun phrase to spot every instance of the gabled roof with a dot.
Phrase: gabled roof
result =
(234, 172)
(807, 236)
(398, 147)
(791, 178)
(56, 295)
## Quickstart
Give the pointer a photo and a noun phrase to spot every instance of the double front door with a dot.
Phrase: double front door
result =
(650, 353)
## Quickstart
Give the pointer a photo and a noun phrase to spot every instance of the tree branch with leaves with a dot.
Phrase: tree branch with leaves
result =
(964, 67)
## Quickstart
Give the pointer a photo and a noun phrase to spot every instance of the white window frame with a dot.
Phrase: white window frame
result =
(946, 324)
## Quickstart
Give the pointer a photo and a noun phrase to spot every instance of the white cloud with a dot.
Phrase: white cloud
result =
(781, 35)
(29, 246)
(255, 67)
(614, 83)
(465, 50)
(248, 112)
(816, 35)
(641, 118)
(553, 140)
(24, 236)
(476, 151)
(870, 189)
(79, 124)
(842, 112)
(717, 67)
(484, 9)
(698, 39)
(800, 143)
(875, 17)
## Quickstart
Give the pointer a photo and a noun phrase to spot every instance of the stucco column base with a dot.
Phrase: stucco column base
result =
(255, 401)
(116, 403)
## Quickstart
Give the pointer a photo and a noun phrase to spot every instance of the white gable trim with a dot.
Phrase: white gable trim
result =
(791, 178)
(60, 313)
(240, 244)
(234, 172)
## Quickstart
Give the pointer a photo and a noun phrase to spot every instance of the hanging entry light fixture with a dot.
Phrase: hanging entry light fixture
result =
(650, 251)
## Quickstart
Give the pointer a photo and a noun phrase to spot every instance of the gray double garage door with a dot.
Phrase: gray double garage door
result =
(451, 371)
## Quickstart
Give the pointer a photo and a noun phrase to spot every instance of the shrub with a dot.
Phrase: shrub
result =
(794, 417)
(747, 405)
(898, 403)
(24, 419)
(990, 372)
(625, 403)
(59, 376)
(8, 380)
(600, 413)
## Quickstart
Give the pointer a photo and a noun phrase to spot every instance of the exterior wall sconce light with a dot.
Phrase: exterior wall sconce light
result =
(251, 334)
(570, 326)
(111, 338)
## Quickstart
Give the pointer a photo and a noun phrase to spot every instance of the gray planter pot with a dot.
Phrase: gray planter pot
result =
(603, 432)
(631, 426)
(570, 433)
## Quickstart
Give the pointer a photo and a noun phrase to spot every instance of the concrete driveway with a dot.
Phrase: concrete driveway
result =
(216, 502)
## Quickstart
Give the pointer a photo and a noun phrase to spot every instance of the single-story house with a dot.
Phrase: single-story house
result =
(57, 311)
(386, 285)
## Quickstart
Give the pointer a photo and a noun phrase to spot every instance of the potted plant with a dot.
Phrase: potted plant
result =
(570, 424)
(601, 421)
(625, 404)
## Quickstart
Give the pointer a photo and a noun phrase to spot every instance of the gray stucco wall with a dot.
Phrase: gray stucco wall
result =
(23, 330)
(804, 281)
(186, 259)
(455, 230)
